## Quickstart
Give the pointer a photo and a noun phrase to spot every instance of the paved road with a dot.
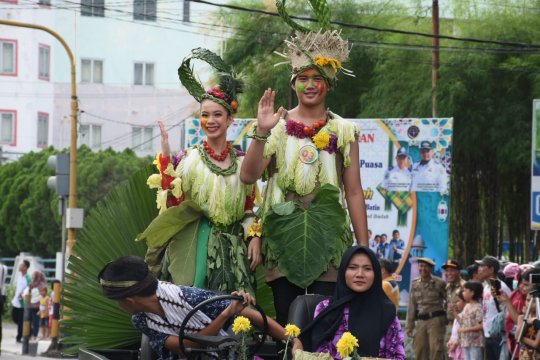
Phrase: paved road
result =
(12, 350)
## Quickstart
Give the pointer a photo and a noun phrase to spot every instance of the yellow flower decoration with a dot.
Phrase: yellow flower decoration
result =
(156, 161)
(161, 200)
(255, 229)
(176, 186)
(170, 170)
(292, 330)
(323, 61)
(154, 181)
(241, 324)
(346, 344)
(321, 140)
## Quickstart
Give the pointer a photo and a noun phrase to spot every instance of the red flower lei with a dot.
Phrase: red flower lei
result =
(299, 130)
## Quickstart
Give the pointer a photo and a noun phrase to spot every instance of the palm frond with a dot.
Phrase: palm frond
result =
(93, 321)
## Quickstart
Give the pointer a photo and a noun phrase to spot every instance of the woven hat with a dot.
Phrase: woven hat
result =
(225, 93)
(324, 50)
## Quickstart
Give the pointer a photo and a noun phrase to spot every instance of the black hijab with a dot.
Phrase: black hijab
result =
(370, 313)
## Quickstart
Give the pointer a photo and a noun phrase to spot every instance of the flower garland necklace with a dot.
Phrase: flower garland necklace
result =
(211, 152)
(321, 139)
(301, 131)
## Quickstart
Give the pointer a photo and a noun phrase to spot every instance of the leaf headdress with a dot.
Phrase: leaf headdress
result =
(225, 94)
(324, 49)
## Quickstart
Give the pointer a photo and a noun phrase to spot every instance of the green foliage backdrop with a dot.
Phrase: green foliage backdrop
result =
(29, 219)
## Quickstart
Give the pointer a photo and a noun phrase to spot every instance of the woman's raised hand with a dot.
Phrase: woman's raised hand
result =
(266, 118)
(165, 147)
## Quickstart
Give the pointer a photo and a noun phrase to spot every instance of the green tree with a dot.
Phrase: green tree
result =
(29, 219)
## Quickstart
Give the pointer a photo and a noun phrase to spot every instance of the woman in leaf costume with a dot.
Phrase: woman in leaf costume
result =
(206, 234)
(310, 158)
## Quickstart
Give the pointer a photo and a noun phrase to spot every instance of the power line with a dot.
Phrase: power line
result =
(374, 28)
(234, 30)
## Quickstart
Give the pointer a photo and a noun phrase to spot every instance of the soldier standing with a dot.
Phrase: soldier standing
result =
(426, 313)
(454, 284)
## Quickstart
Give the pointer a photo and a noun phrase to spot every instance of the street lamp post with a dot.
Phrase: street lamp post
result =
(72, 202)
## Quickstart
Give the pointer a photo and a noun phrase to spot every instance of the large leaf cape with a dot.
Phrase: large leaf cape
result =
(169, 223)
(305, 240)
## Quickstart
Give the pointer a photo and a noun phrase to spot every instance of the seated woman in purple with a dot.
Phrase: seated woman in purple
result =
(360, 307)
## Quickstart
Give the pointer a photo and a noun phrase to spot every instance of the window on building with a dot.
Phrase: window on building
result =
(185, 15)
(142, 138)
(144, 10)
(7, 126)
(92, 71)
(93, 8)
(43, 130)
(44, 61)
(90, 135)
(44, 2)
(8, 57)
(143, 74)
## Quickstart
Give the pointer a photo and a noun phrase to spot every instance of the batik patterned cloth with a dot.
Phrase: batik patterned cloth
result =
(390, 346)
(187, 298)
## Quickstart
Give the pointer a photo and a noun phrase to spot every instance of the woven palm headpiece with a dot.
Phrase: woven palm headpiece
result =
(324, 50)
(225, 94)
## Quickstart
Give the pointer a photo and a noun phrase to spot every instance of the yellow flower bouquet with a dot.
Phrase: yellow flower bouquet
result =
(291, 331)
(346, 346)
(242, 325)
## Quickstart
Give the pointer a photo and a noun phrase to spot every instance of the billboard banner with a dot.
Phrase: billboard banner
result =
(535, 167)
(405, 167)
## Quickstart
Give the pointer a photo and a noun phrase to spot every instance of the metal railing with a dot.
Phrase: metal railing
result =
(48, 267)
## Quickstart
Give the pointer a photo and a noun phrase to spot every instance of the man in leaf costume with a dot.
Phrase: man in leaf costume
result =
(205, 234)
(310, 156)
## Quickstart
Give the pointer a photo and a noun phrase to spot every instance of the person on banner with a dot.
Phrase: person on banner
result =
(383, 247)
(426, 315)
(398, 177)
(396, 248)
(428, 174)
(206, 227)
(359, 306)
(158, 308)
(374, 244)
(311, 158)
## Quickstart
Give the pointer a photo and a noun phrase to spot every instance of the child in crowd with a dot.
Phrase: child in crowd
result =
(471, 333)
(44, 312)
(51, 304)
(455, 351)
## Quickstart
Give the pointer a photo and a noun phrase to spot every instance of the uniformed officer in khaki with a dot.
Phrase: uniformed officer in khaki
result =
(454, 284)
(426, 316)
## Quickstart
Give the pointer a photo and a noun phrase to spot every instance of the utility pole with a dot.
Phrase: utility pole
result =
(435, 61)
(72, 203)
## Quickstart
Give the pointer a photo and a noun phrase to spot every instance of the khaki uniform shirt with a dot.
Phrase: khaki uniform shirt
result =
(426, 297)
(452, 290)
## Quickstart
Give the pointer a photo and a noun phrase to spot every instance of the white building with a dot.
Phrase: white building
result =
(127, 53)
